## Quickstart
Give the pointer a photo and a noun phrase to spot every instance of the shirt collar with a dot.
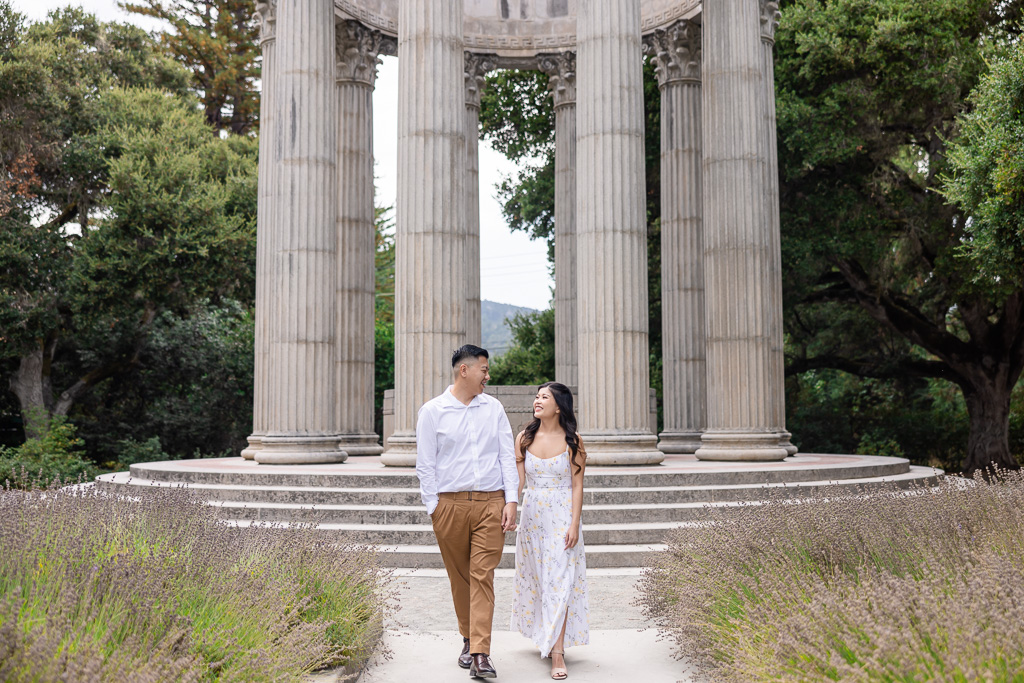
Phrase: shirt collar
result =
(456, 403)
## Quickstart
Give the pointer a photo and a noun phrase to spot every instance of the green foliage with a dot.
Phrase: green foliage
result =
(160, 589)
(895, 586)
(218, 42)
(531, 357)
(986, 177)
(868, 95)
(148, 211)
(55, 454)
(188, 395)
(383, 368)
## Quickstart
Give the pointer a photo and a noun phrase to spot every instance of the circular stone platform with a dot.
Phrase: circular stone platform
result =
(627, 510)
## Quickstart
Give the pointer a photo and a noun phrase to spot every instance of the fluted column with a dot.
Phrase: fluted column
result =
(266, 15)
(770, 16)
(476, 68)
(676, 54)
(737, 239)
(302, 418)
(430, 269)
(614, 372)
(561, 71)
(358, 49)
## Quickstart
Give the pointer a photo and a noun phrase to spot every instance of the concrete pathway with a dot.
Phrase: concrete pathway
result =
(424, 641)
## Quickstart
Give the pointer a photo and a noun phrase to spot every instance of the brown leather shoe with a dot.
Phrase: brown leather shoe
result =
(482, 667)
(465, 659)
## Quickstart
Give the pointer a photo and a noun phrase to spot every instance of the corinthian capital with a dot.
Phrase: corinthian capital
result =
(476, 67)
(676, 52)
(561, 71)
(770, 16)
(358, 51)
(266, 15)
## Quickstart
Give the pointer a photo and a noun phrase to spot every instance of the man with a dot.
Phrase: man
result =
(468, 481)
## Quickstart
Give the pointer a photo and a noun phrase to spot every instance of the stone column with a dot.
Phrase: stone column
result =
(301, 424)
(614, 372)
(739, 306)
(266, 15)
(676, 55)
(561, 71)
(358, 50)
(476, 67)
(769, 22)
(430, 220)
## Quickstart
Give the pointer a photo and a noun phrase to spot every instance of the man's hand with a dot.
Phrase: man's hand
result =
(508, 517)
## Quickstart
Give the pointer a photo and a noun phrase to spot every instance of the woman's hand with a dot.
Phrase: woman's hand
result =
(572, 536)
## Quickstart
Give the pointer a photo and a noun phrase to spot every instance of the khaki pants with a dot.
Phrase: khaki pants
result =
(468, 530)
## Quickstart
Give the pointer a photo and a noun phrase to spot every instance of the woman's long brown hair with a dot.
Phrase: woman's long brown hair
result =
(566, 419)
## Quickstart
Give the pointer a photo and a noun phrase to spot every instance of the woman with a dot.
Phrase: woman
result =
(550, 602)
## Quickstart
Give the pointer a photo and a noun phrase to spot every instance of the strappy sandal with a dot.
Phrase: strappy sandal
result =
(559, 673)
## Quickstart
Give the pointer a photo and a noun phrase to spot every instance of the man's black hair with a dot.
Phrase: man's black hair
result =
(468, 351)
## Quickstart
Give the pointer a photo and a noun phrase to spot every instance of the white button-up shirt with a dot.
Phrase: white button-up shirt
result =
(464, 448)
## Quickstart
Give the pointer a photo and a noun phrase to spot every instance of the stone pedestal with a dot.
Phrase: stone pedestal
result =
(561, 71)
(358, 50)
(266, 15)
(301, 418)
(430, 269)
(742, 312)
(476, 68)
(612, 236)
(676, 54)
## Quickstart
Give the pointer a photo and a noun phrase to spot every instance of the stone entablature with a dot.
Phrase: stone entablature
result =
(517, 29)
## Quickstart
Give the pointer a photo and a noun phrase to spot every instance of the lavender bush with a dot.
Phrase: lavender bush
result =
(96, 588)
(925, 585)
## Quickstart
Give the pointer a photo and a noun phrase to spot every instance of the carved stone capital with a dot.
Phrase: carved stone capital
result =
(476, 67)
(561, 71)
(770, 16)
(358, 51)
(266, 16)
(676, 52)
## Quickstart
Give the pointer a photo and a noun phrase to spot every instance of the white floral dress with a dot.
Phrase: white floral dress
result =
(550, 581)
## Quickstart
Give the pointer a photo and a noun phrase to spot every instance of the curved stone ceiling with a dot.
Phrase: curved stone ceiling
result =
(517, 29)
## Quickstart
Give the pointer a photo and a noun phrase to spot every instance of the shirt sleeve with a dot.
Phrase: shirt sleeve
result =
(507, 459)
(426, 457)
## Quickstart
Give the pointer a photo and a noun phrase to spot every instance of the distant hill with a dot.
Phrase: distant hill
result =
(496, 335)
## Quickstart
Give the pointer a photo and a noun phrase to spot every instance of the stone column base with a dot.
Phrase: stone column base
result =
(360, 444)
(740, 446)
(786, 441)
(401, 450)
(679, 442)
(300, 450)
(255, 444)
(640, 448)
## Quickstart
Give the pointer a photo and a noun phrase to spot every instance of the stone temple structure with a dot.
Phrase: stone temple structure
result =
(721, 279)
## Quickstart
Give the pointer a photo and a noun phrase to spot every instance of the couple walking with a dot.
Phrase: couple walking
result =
(471, 475)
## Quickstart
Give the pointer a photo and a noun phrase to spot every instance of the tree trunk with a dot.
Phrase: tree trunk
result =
(988, 446)
(31, 384)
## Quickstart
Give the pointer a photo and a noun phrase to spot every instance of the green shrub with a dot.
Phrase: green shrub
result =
(55, 454)
(131, 451)
(919, 585)
(94, 587)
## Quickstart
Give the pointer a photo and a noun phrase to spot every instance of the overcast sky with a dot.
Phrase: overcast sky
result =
(513, 268)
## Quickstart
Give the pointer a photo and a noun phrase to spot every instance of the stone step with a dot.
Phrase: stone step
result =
(423, 534)
(236, 472)
(325, 496)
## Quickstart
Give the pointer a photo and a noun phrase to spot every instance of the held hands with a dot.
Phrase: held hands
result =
(508, 517)
(572, 536)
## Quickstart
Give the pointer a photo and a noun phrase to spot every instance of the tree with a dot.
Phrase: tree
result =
(218, 42)
(146, 209)
(531, 357)
(868, 96)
